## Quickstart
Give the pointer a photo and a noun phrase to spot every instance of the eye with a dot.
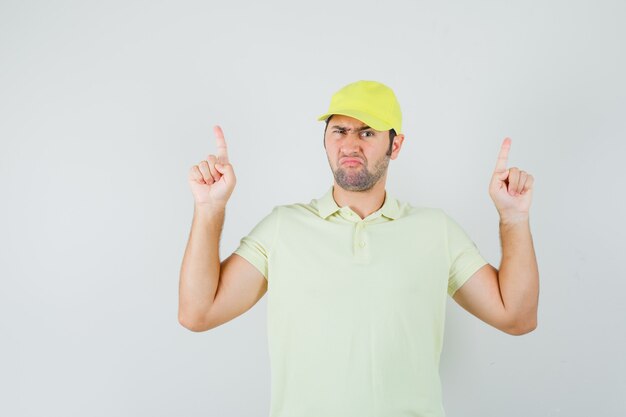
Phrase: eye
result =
(368, 133)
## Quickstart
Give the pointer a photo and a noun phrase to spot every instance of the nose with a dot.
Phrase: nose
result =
(350, 143)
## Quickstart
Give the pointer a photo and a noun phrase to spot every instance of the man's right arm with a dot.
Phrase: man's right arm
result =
(212, 293)
(200, 270)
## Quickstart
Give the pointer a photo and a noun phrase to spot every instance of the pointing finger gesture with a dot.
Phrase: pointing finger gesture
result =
(213, 180)
(503, 156)
(222, 150)
(510, 188)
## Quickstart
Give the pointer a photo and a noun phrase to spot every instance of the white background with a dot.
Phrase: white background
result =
(104, 107)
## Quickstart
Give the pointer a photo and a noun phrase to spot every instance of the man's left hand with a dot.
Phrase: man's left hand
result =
(510, 189)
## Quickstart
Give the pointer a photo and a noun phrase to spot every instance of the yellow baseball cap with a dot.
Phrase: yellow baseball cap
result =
(371, 102)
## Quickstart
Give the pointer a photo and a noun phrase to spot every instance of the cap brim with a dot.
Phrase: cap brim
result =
(369, 120)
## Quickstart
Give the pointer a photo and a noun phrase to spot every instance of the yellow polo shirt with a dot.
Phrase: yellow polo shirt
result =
(356, 307)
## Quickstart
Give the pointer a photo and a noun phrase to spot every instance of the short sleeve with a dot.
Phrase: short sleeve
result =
(463, 255)
(257, 246)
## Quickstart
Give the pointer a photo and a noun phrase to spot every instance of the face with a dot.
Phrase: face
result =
(357, 154)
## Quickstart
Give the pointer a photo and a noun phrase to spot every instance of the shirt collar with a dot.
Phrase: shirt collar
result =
(326, 205)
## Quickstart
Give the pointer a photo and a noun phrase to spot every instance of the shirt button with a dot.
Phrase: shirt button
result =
(362, 244)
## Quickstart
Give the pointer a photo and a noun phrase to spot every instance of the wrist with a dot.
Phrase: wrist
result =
(206, 210)
(513, 218)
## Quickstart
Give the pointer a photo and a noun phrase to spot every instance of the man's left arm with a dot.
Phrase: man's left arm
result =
(507, 299)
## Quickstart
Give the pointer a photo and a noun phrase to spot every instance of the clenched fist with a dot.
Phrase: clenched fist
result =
(213, 180)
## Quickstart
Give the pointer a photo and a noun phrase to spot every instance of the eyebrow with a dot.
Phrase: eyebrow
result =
(364, 127)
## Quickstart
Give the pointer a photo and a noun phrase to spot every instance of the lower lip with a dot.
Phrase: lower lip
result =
(351, 163)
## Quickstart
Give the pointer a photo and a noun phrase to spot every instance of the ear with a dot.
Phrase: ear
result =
(397, 144)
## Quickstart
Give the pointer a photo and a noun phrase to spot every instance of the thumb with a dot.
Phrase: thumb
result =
(224, 169)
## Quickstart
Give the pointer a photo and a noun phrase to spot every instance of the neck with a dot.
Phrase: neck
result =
(362, 203)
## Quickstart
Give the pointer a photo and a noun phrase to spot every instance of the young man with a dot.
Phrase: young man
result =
(357, 280)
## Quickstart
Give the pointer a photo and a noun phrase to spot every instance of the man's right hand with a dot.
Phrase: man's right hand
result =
(213, 180)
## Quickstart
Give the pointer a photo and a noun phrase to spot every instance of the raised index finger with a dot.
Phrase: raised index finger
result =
(222, 151)
(503, 155)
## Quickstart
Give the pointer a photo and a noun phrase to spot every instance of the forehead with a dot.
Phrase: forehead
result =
(345, 121)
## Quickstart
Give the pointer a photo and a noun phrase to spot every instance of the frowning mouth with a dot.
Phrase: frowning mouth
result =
(350, 161)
